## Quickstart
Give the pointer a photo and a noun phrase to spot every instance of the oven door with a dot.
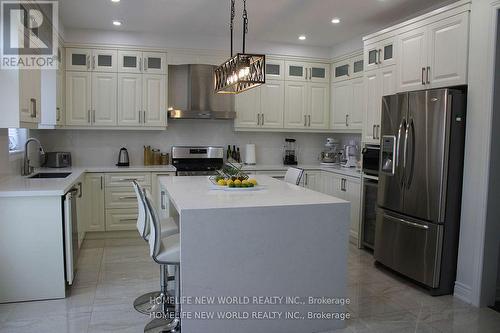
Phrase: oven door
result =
(371, 158)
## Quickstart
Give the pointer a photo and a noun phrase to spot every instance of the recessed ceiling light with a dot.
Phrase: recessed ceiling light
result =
(335, 20)
(117, 23)
(302, 37)
(115, 0)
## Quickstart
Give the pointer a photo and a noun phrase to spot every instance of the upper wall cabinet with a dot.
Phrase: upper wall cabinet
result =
(142, 62)
(346, 69)
(275, 69)
(435, 55)
(304, 71)
(91, 60)
(380, 54)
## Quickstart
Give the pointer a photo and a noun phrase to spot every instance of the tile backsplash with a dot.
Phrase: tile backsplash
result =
(101, 147)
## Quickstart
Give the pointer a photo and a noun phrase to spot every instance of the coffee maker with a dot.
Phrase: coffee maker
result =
(290, 152)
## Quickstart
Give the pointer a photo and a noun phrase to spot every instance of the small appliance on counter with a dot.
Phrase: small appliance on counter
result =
(290, 152)
(350, 158)
(58, 159)
(330, 155)
(250, 154)
(123, 158)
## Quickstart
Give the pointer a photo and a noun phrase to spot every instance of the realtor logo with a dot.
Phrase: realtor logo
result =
(29, 36)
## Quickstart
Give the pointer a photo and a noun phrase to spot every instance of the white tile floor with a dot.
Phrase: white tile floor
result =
(112, 272)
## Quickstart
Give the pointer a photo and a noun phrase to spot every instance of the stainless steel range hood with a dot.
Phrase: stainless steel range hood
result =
(191, 94)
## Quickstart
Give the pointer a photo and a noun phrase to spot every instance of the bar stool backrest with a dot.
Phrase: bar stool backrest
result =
(154, 226)
(142, 219)
(293, 175)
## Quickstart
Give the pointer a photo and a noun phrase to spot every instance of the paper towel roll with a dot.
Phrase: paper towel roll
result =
(250, 154)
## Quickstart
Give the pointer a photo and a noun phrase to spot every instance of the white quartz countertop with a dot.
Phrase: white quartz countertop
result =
(21, 186)
(188, 193)
(353, 172)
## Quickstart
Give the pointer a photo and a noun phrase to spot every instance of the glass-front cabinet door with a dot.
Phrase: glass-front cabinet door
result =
(78, 59)
(387, 52)
(154, 63)
(319, 73)
(129, 61)
(296, 71)
(104, 61)
(371, 57)
(357, 66)
(275, 69)
(341, 70)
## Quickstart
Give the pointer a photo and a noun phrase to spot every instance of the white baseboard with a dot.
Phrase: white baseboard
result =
(462, 292)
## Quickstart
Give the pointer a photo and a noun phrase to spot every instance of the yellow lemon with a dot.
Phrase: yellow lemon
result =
(237, 182)
(244, 182)
(253, 181)
(221, 182)
(229, 182)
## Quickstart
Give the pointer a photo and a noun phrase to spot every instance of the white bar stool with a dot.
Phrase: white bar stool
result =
(143, 303)
(293, 175)
(166, 252)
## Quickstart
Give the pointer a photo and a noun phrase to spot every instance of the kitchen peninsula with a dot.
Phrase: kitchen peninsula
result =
(283, 241)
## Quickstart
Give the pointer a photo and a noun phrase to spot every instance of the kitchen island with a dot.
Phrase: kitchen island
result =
(269, 260)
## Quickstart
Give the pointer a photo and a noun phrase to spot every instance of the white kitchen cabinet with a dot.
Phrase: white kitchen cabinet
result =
(377, 83)
(154, 62)
(307, 105)
(130, 112)
(154, 102)
(272, 104)
(434, 55)
(94, 194)
(29, 95)
(306, 71)
(136, 61)
(349, 189)
(248, 109)
(312, 180)
(91, 60)
(347, 106)
(78, 98)
(380, 54)
(349, 68)
(104, 99)
(275, 69)
(319, 107)
(448, 49)
(121, 219)
(296, 103)
(160, 198)
(413, 61)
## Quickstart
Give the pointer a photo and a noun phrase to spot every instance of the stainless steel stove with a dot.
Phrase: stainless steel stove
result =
(197, 161)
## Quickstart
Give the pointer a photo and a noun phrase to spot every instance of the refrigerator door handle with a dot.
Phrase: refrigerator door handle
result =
(402, 127)
(408, 223)
(411, 132)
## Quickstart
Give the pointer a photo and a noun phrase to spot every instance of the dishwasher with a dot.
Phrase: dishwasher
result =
(70, 227)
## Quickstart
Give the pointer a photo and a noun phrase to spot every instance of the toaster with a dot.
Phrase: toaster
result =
(58, 159)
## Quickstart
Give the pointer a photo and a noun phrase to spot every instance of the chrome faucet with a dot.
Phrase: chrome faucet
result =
(27, 168)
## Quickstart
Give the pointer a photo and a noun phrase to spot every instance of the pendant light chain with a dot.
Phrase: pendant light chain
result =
(231, 25)
(245, 22)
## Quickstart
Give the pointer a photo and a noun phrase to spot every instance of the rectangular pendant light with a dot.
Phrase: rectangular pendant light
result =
(239, 73)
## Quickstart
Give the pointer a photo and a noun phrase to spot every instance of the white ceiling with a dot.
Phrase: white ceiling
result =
(279, 21)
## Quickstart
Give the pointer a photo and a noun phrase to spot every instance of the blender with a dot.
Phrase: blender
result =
(289, 152)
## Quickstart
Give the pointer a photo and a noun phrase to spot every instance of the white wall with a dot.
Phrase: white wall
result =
(346, 47)
(194, 42)
(100, 147)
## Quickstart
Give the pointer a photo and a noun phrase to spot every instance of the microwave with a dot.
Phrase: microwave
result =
(371, 160)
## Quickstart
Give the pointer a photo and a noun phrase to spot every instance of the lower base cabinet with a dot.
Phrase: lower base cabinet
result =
(94, 194)
(312, 180)
(121, 219)
(349, 189)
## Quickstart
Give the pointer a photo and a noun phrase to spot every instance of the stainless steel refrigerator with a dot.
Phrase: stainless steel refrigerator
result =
(420, 185)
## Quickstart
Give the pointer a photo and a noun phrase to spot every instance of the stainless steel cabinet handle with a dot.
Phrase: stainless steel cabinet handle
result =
(145, 64)
(139, 116)
(379, 56)
(140, 64)
(346, 117)
(125, 220)
(377, 131)
(428, 80)
(305, 121)
(93, 116)
(80, 189)
(88, 62)
(309, 116)
(93, 62)
(423, 73)
(128, 179)
(162, 200)
(127, 197)
(58, 114)
(262, 121)
(310, 73)
(258, 119)
(144, 117)
(88, 116)
(101, 182)
(373, 132)
(33, 107)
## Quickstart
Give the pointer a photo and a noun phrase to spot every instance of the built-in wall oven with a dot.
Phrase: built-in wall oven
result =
(370, 163)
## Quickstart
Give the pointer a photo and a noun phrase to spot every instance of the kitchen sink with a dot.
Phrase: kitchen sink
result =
(51, 175)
